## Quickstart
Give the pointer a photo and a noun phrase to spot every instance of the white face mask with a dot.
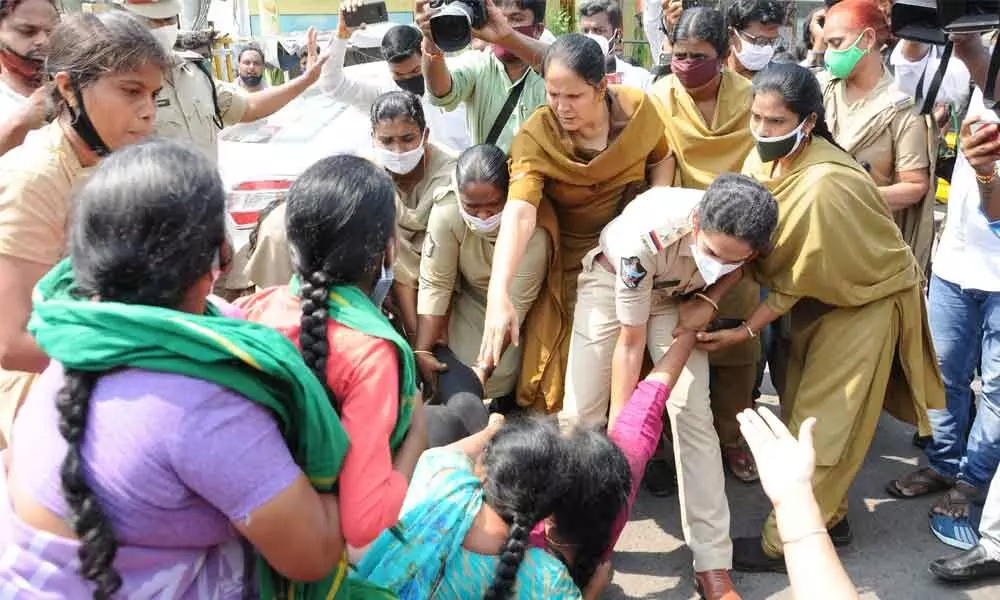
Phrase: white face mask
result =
(167, 36)
(754, 57)
(710, 268)
(483, 226)
(399, 163)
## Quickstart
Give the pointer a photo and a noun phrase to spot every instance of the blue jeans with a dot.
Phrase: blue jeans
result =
(965, 325)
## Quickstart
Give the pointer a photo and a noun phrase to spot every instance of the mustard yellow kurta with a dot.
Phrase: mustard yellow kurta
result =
(704, 151)
(884, 134)
(576, 198)
(859, 333)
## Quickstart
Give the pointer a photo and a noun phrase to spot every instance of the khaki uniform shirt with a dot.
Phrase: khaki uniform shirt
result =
(457, 259)
(413, 210)
(899, 148)
(649, 246)
(37, 180)
(270, 263)
(185, 110)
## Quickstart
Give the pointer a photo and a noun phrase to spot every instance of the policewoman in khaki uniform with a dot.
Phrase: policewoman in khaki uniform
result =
(193, 106)
(105, 70)
(875, 122)
(668, 245)
(456, 266)
(423, 173)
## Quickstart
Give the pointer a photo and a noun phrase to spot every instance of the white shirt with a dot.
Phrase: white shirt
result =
(968, 254)
(10, 103)
(447, 128)
(652, 17)
(634, 76)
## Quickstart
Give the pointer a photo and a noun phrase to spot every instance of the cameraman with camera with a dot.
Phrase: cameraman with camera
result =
(964, 290)
(500, 88)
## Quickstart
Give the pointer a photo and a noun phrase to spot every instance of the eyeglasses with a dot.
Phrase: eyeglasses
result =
(757, 40)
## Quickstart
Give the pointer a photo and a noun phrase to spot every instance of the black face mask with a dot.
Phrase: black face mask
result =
(84, 128)
(414, 85)
(251, 80)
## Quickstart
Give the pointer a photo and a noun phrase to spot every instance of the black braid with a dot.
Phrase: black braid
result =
(511, 556)
(97, 540)
(312, 335)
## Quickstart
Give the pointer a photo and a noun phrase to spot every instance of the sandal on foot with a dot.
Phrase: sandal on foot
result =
(955, 504)
(740, 463)
(919, 483)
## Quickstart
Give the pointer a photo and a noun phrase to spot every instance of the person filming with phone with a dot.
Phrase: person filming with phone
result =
(500, 89)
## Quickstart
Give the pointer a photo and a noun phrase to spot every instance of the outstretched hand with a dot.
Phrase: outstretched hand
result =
(785, 465)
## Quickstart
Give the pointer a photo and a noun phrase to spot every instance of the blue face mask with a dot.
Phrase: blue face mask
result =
(382, 286)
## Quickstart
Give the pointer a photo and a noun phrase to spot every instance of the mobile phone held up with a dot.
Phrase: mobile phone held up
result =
(686, 4)
(367, 14)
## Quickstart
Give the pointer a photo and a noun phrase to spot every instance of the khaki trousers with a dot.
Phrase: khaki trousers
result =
(465, 334)
(704, 507)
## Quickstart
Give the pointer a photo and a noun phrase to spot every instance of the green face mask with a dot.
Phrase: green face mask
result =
(841, 63)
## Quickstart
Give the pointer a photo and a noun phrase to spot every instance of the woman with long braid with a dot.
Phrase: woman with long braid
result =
(162, 432)
(340, 218)
(468, 518)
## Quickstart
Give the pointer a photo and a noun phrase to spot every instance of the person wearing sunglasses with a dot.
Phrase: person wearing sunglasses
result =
(753, 34)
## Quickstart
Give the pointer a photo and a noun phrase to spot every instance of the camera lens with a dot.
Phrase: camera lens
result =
(451, 27)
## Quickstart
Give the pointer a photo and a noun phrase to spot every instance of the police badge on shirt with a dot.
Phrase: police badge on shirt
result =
(632, 272)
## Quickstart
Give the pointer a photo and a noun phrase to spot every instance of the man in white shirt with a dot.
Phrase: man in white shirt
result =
(400, 48)
(603, 18)
(25, 26)
(964, 313)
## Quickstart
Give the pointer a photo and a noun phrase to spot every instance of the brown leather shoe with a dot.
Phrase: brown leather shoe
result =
(715, 585)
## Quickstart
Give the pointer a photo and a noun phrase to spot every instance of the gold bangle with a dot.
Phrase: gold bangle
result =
(804, 536)
(749, 330)
(707, 299)
(988, 179)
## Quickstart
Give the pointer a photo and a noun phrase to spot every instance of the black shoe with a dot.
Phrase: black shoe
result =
(749, 557)
(660, 478)
(920, 441)
(841, 534)
(971, 564)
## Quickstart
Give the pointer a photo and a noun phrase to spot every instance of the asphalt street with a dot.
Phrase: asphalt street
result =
(888, 559)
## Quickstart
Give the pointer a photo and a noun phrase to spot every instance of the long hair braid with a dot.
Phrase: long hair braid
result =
(511, 555)
(97, 540)
(312, 335)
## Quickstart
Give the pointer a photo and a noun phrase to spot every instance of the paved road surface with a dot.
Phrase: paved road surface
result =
(888, 559)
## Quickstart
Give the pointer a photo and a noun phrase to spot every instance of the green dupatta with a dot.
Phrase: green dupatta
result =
(250, 359)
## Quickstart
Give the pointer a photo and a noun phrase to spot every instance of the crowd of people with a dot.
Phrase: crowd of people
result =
(554, 277)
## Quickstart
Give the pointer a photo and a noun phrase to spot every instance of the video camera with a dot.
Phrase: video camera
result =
(452, 24)
(931, 21)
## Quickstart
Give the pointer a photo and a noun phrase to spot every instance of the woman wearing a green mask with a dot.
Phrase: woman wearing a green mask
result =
(875, 122)
(840, 269)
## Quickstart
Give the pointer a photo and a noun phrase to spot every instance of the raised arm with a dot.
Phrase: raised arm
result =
(268, 101)
(359, 92)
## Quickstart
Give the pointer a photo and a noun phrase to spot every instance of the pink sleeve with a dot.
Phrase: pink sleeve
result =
(371, 492)
(637, 432)
(227, 309)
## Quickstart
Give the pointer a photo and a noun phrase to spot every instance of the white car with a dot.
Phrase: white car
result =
(260, 160)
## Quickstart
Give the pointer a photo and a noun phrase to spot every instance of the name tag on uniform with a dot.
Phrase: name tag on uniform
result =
(162, 102)
(669, 283)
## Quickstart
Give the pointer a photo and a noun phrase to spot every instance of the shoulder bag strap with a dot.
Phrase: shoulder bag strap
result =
(508, 108)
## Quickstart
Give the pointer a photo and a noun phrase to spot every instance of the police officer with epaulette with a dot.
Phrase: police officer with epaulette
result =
(193, 106)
